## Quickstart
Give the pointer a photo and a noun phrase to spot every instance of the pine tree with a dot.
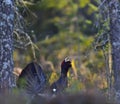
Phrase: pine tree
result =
(6, 44)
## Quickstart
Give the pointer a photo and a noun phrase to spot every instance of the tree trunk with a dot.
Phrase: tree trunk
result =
(115, 43)
(6, 45)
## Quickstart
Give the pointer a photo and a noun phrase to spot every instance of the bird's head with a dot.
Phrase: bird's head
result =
(65, 65)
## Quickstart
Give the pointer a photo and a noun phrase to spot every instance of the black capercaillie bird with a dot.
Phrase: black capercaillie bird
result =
(33, 80)
(59, 86)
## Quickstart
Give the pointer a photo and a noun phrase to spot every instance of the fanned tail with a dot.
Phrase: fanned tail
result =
(32, 79)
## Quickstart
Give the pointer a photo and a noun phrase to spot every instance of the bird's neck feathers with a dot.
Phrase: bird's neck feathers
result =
(65, 65)
(64, 72)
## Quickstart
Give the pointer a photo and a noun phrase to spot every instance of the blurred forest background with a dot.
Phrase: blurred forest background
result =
(60, 28)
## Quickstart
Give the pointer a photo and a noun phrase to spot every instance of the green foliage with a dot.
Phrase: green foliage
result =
(88, 66)
(83, 3)
(58, 4)
(49, 17)
(66, 28)
(69, 44)
(59, 43)
(93, 7)
(22, 82)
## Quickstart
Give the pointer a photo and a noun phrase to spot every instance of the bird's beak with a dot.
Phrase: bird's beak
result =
(73, 67)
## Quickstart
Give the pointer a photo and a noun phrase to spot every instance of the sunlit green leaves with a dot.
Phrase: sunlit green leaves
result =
(70, 9)
(93, 7)
(83, 3)
(74, 22)
(58, 4)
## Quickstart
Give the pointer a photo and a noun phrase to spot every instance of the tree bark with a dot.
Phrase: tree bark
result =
(115, 43)
(6, 45)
